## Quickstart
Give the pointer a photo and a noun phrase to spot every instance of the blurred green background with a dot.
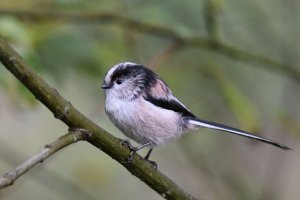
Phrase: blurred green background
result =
(72, 43)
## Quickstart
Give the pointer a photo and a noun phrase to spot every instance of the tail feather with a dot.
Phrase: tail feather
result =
(216, 126)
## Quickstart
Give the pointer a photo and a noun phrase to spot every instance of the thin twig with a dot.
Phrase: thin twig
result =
(50, 178)
(10, 177)
(216, 46)
(63, 110)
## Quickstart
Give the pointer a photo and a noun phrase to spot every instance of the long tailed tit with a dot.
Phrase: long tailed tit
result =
(142, 106)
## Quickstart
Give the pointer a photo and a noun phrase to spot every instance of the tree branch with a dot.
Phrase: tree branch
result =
(50, 178)
(216, 46)
(10, 177)
(63, 110)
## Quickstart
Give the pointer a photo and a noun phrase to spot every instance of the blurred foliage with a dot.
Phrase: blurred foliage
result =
(74, 56)
(74, 51)
(241, 106)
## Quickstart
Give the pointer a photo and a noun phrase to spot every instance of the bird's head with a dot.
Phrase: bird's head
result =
(128, 80)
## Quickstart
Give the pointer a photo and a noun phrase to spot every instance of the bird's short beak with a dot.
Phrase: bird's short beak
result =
(105, 86)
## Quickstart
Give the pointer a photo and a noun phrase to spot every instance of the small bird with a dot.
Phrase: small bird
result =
(143, 107)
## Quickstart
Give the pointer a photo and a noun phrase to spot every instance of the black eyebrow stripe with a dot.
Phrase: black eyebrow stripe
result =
(119, 73)
(169, 105)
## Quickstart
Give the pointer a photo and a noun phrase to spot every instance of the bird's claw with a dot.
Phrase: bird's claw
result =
(127, 143)
(153, 164)
(132, 149)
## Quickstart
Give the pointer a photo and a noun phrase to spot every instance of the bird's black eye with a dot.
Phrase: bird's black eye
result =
(119, 81)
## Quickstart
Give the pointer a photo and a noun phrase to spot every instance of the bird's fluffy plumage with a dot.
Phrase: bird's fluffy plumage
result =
(142, 106)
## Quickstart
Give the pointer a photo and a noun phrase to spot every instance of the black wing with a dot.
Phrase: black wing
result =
(170, 104)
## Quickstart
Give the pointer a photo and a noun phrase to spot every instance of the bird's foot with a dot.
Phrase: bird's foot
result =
(132, 149)
(152, 163)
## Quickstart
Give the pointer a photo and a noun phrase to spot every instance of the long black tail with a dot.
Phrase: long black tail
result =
(232, 130)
